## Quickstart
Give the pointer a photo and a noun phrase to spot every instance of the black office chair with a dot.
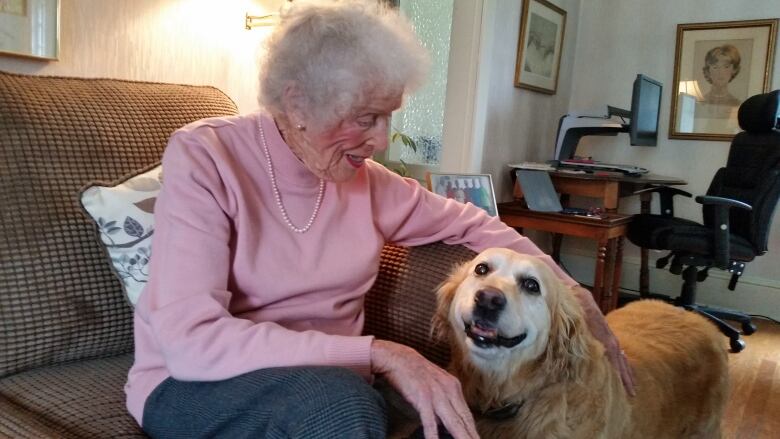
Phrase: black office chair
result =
(737, 212)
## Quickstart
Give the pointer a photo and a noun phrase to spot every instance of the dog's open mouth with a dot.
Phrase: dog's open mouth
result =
(485, 335)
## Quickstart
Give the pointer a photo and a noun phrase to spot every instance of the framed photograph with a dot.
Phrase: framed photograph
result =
(476, 189)
(30, 28)
(717, 66)
(540, 45)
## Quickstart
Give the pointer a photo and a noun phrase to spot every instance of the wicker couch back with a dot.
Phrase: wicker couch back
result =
(59, 301)
(401, 303)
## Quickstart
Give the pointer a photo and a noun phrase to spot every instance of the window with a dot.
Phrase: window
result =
(422, 117)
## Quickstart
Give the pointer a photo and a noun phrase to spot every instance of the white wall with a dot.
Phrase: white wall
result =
(518, 124)
(617, 40)
(180, 41)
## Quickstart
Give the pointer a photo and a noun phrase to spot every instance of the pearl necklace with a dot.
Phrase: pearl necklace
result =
(278, 196)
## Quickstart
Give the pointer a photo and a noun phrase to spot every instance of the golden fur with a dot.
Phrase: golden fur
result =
(567, 386)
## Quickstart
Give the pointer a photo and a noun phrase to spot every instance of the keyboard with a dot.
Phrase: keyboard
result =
(589, 166)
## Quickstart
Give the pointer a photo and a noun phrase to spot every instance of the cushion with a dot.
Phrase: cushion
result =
(698, 240)
(650, 231)
(74, 400)
(679, 234)
(123, 213)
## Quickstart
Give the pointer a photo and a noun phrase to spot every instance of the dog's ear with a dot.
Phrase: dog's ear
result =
(445, 293)
(568, 343)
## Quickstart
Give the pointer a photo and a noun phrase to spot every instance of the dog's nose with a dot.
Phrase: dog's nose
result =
(491, 299)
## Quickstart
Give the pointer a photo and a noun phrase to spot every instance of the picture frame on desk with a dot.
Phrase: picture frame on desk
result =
(30, 29)
(539, 46)
(476, 189)
(717, 66)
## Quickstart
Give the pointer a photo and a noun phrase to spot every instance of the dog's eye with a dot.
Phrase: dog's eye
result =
(481, 269)
(529, 284)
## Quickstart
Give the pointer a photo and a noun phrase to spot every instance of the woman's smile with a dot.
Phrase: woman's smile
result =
(355, 160)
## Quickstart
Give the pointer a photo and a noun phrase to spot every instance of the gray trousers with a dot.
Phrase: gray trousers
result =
(287, 402)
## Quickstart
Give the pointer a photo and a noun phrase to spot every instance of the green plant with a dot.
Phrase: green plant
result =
(401, 169)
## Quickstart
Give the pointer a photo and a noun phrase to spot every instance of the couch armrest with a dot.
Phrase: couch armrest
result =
(400, 305)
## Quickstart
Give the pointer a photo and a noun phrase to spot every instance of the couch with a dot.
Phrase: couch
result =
(66, 342)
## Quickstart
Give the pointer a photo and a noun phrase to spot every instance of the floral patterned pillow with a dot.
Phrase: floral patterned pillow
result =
(124, 215)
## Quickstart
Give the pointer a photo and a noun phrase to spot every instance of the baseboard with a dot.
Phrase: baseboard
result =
(753, 295)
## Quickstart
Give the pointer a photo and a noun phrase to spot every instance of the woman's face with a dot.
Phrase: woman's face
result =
(335, 153)
(722, 71)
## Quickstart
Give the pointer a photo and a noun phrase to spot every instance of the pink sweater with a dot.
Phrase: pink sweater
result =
(233, 289)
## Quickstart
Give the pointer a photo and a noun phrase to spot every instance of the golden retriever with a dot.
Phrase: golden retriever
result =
(531, 369)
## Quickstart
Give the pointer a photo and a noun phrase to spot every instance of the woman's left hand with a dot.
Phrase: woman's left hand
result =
(599, 328)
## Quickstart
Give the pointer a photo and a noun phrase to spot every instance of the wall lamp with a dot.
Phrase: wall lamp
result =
(691, 88)
(253, 21)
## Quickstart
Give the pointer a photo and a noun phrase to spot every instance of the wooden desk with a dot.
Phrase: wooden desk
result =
(609, 187)
(608, 231)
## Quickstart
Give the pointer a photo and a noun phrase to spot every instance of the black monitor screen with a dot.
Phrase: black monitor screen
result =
(645, 107)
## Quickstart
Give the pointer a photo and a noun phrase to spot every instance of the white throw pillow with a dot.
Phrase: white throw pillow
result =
(124, 215)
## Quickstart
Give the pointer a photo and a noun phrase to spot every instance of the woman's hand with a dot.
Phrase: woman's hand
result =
(432, 391)
(600, 330)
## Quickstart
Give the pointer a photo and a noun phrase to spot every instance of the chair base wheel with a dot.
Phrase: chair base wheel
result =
(748, 328)
(737, 345)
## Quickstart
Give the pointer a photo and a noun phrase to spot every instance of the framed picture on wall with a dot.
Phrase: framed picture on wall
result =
(30, 28)
(539, 46)
(476, 189)
(717, 66)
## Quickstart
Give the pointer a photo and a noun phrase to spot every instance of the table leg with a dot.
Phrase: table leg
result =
(644, 273)
(599, 275)
(617, 267)
(609, 269)
(557, 238)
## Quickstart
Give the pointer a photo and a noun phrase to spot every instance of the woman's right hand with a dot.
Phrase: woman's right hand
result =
(429, 388)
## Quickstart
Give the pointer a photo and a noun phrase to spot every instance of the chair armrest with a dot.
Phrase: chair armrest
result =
(721, 227)
(666, 195)
(720, 201)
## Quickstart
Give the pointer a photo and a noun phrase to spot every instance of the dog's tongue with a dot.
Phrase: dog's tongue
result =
(482, 331)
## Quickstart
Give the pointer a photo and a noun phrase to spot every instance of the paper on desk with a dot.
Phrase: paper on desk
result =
(532, 165)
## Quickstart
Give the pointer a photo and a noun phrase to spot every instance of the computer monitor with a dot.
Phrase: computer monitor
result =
(642, 123)
(645, 111)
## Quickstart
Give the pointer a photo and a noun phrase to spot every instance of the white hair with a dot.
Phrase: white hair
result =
(338, 51)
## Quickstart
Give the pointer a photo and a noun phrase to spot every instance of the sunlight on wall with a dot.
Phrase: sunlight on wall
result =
(200, 42)
(214, 38)
(210, 26)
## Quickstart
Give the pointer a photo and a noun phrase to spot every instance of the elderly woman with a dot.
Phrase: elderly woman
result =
(268, 233)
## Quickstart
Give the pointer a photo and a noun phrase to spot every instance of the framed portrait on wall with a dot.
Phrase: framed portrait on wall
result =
(476, 189)
(717, 66)
(30, 28)
(539, 46)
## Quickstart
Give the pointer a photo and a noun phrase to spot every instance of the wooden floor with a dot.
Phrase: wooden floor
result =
(754, 407)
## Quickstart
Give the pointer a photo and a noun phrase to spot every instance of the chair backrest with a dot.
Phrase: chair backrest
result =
(752, 172)
(59, 300)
